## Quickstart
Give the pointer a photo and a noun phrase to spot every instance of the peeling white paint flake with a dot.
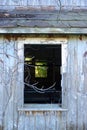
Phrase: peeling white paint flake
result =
(82, 77)
(64, 58)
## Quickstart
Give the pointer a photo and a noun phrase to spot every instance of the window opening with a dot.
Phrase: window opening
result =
(42, 76)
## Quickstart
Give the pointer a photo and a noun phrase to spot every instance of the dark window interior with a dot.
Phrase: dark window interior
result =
(42, 77)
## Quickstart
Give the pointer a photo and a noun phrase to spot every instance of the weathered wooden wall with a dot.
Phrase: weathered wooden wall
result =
(42, 120)
(8, 76)
(74, 86)
(43, 3)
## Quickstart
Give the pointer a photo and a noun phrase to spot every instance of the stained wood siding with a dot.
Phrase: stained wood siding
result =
(76, 83)
(52, 20)
(1, 80)
(74, 87)
(45, 120)
(43, 3)
(8, 83)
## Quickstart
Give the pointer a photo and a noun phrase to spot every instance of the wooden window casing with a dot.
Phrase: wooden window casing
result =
(27, 41)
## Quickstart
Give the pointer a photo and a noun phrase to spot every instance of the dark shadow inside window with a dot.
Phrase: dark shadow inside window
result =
(42, 76)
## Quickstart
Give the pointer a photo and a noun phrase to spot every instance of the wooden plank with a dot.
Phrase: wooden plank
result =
(72, 83)
(63, 120)
(10, 82)
(47, 120)
(31, 121)
(52, 120)
(39, 121)
(85, 113)
(1, 81)
(49, 2)
(10, 2)
(46, 18)
(40, 24)
(20, 83)
(81, 87)
(13, 2)
(60, 121)
(27, 30)
(21, 121)
(10, 75)
(26, 121)
(42, 2)
(84, 82)
(80, 112)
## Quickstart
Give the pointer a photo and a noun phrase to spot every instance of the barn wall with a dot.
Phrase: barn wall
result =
(43, 3)
(74, 86)
(8, 78)
(76, 83)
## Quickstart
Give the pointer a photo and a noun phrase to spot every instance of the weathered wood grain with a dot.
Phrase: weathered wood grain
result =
(65, 19)
(1, 81)
(45, 30)
(9, 88)
(43, 3)
(41, 120)
(74, 86)
(66, 22)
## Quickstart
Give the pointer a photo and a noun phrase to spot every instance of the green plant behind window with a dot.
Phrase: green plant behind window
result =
(41, 70)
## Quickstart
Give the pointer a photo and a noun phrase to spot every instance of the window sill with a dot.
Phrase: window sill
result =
(42, 107)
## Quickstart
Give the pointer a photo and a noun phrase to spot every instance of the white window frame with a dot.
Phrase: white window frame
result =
(36, 40)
